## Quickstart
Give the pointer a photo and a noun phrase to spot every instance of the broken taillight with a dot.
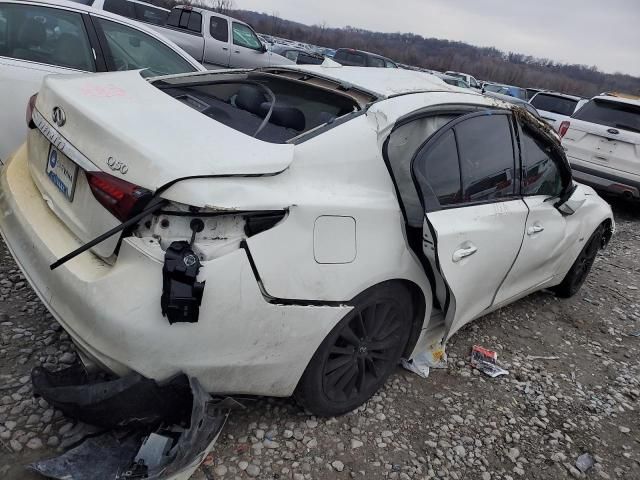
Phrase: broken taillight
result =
(564, 126)
(31, 105)
(121, 198)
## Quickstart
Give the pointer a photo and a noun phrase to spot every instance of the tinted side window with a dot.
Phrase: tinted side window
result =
(195, 22)
(129, 49)
(376, 62)
(437, 166)
(120, 7)
(390, 64)
(486, 158)
(45, 35)
(219, 29)
(540, 174)
(146, 13)
(245, 37)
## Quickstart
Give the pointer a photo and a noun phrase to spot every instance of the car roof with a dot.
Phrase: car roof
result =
(381, 82)
(80, 7)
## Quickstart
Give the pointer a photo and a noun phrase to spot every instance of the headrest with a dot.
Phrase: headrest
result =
(250, 98)
(288, 117)
(32, 34)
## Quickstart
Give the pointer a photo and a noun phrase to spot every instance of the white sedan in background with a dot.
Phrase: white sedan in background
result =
(273, 232)
(38, 38)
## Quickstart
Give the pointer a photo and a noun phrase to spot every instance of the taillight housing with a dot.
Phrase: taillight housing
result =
(123, 199)
(564, 126)
(31, 105)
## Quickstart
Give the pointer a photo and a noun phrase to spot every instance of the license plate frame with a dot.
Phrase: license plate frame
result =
(62, 172)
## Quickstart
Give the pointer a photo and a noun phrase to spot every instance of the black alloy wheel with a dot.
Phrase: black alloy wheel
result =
(360, 353)
(581, 267)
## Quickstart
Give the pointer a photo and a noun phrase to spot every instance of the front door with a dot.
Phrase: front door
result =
(246, 49)
(474, 219)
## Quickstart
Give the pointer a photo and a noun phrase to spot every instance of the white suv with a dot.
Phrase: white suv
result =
(554, 108)
(602, 141)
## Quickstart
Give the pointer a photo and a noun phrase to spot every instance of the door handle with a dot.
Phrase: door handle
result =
(225, 48)
(236, 51)
(464, 252)
(535, 229)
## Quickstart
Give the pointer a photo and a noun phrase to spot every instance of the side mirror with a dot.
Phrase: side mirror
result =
(264, 48)
(573, 203)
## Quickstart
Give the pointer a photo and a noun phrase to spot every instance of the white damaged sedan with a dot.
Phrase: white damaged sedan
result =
(287, 230)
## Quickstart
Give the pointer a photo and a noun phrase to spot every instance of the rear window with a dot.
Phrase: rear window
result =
(611, 114)
(555, 104)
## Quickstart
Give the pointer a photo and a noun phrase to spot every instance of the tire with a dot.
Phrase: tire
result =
(360, 353)
(578, 272)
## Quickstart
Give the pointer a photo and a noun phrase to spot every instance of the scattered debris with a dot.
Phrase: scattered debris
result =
(420, 364)
(585, 462)
(133, 406)
(540, 357)
(485, 361)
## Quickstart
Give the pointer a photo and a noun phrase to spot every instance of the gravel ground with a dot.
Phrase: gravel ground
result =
(535, 423)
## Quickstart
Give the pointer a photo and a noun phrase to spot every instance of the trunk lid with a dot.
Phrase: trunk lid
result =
(120, 124)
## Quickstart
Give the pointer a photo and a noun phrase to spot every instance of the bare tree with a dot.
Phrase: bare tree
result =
(223, 6)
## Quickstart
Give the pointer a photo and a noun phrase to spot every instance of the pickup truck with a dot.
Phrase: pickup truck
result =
(217, 41)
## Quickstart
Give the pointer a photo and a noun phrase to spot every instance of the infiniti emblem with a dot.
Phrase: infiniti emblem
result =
(58, 116)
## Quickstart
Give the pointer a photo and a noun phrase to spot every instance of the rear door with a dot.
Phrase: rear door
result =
(217, 50)
(547, 234)
(606, 133)
(474, 220)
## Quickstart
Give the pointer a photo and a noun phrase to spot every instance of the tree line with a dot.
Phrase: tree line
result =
(436, 54)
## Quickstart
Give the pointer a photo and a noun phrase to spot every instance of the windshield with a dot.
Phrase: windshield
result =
(554, 103)
(620, 115)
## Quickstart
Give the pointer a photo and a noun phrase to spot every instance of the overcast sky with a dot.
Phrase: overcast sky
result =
(605, 33)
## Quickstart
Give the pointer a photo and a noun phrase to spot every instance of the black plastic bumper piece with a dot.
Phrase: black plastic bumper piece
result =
(129, 401)
(181, 293)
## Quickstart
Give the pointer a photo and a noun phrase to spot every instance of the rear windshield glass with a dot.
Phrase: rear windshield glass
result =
(555, 104)
(245, 103)
(612, 114)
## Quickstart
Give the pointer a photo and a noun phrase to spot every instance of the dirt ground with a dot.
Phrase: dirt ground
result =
(573, 388)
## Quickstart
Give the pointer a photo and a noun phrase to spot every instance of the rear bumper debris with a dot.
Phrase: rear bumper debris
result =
(163, 431)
